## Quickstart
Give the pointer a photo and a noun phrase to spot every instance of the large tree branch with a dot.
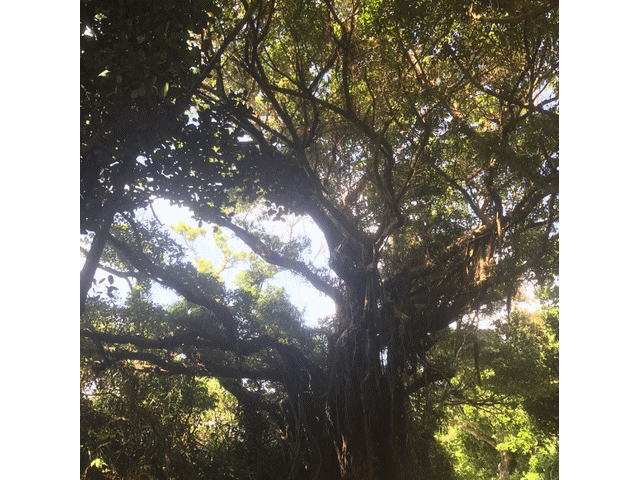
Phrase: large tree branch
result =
(118, 273)
(215, 61)
(498, 227)
(252, 64)
(333, 223)
(472, 203)
(192, 338)
(414, 163)
(227, 376)
(273, 257)
(202, 368)
(363, 126)
(325, 202)
(221, 312)
(327, 216)
(102, 232)
(93, 258)
(251, 124)
(297, 368)
(473, 431)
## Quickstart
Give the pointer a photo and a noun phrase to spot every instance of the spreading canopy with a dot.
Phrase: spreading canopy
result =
(421, 138)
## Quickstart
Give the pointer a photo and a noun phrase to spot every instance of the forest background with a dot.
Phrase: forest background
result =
(598, 259)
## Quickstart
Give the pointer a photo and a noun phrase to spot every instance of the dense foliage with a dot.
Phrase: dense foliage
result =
(421, 138)
(500, 410)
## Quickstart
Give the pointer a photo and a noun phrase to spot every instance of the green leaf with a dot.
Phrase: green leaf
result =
(98, 463)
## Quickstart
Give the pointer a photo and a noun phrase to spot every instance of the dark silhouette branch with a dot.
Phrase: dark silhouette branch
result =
(295, 363)
(102, 234)
(215, 61)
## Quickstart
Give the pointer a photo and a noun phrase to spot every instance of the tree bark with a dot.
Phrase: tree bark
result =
(506, 465)
(95, 252)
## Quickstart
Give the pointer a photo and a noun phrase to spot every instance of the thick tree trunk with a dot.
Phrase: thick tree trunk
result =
(506, 465)
(367, 399)
(369, 425)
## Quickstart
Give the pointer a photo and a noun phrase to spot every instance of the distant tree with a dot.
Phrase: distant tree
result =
(499, 413)
(420, 137)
